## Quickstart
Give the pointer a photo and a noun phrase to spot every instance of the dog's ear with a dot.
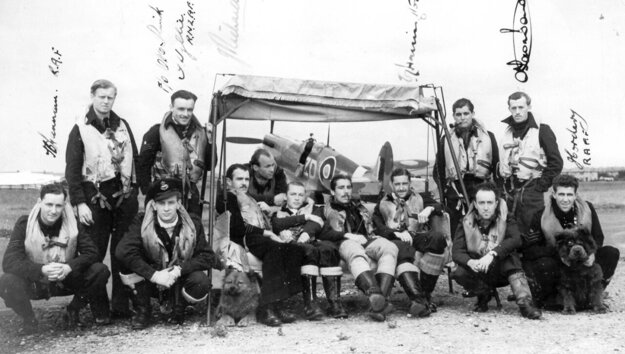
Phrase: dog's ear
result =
(562, 237)
(252, 276)
(588, 239)
(229, 270)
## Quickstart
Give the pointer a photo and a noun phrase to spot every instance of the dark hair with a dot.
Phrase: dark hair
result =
(256, 156)
(487, 186)
(461, 103)
(52, 188)
(102, 84)
(400, 172)
(236, 166)
(295, 183)
(518, 95)
(185, 95)
(338, 177)
(565, 181)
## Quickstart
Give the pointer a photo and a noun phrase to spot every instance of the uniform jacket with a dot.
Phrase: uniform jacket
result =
(381, 225)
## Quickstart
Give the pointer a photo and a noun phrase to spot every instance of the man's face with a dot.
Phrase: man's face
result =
(401, 186)
(103, 100)
(295, 196)
(266, 167)
(182, 110)
(486, 204)
(519, 109)
(342, 191)
(565, 198)
(240, 181)
(166, 208)
(463, 117)
(52, 208)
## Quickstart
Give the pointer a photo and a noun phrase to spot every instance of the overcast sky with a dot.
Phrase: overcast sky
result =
(576, 63)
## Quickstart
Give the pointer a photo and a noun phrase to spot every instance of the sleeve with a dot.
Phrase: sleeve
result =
(238, 227)
(210, 161)
(74, 155)
(149, 147)
(597, 232)
(203, 257)
(439, 165)
(429, 201)
(495, 162)
(281, 185)
(327, 233)
(534, 245)
(279, 224)
(459, 252)
(548, 142)
(132, 140)
(130, 251)
(512, 240)
(15, 260)
(88, 253)
(379, 225)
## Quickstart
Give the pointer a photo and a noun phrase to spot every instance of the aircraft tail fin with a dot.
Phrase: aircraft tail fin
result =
(384, 166)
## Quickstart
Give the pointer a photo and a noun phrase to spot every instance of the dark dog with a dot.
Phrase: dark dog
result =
(580, 276)
(239, 298)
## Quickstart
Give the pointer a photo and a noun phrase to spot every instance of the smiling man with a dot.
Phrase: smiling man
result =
(178, 147)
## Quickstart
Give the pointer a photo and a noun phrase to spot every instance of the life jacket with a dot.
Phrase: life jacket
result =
(337, 218)
(478, 155)
(106, 154)
(400, 214)
(184, 243)
(522, 157)
(268, 190)
(181, 155)
(305, 209)
(479, 243)
(43, 250)
(250, 211)
(550, 224)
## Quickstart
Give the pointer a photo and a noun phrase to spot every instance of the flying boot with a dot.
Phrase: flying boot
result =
(521, 291)
(332, 287)
(312, 312)
(143, 307)
(418, 302)
(377, 302)
(428, 283)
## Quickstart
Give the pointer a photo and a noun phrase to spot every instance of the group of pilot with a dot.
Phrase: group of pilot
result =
(163, 253)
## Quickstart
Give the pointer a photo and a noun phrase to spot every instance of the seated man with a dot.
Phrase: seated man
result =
(165, 248)
(563, 210)
(296, 223)
(48, 256)
(267, 181)
(251, 229)
(399, 217)
(348, 224)
(484, 249)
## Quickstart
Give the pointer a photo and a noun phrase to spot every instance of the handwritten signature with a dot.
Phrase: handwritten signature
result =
(227, 46)
(56, 62)
(578, 122)
(182, 50)
(410, 73)
(49, 144)
(521, 65)
(161, 59)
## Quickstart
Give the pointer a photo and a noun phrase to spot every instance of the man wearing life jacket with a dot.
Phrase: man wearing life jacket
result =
(165, 248)
(475, 149)
(484, 250)
(564, 209)
(296, 223)
(530, 159)
(177, 147)
(348, 225)
(48, 255)
(268, 181)
(399, 217)
(100, 173)
(250, 229)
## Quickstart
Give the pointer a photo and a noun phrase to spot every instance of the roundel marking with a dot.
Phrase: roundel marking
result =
(327, 167)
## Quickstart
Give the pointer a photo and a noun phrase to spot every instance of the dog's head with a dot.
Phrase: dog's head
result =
(575, 246)
(237, 282)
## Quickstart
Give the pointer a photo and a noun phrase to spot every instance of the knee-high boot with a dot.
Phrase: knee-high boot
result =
(418, 303)
(521, 290)
(332, 287)
(312, 312)
(142, 305)
(367, 283)
(386, 282)
(428, 283)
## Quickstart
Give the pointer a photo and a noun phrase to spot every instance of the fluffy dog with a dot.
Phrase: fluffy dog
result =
(580, 277)
(239, 298)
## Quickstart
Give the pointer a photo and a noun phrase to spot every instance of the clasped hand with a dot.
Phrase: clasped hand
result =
(56, 271)
(166, 277)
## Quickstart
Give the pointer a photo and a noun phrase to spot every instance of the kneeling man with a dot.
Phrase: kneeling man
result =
(165, 248)
(48, 256)
(484, 249)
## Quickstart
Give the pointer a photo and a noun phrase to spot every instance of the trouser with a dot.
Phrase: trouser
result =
(281, 268)
(496, 276)
(112, 224)
(17, 291)
(320, 257)
(524, 202)
(358, 257)
(195, 285)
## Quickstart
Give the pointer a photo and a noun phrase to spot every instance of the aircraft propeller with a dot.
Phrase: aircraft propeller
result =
(243, 140)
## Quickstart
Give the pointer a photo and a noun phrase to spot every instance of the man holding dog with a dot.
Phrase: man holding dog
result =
(165, 250)
(484, 250)
(348, 225)
(48, 255)
(399, 217)
(565, 209)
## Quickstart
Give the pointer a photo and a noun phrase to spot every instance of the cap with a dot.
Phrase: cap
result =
(165, 188)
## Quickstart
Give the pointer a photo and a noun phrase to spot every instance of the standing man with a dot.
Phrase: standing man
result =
(484, 249)
(477, 154)
(268, 181)
(100, 173)
(178, 147)
(399, 217)
(348, 224)
(66, 264)
(530, 160)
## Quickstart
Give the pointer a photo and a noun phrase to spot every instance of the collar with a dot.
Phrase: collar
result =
(165, 225)
(50, 230)
(181, 129)
(565, 219)
(112, 121)
(531, 122)
(393, 196)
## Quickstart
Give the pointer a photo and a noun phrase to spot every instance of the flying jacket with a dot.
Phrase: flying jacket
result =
(386, 226)
(477, 158)
(550, 225)
(44, 249)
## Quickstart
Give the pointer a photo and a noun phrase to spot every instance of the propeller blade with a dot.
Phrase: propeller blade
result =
(243, 140)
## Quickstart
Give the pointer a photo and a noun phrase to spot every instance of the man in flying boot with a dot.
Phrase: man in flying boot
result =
(484, 249)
